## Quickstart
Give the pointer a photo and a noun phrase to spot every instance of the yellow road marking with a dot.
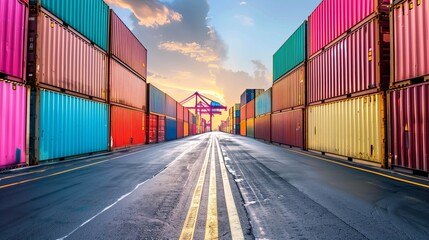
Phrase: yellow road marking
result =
(363, 170)
(234, 220)
(191, 218)
(22, 174)
(212, 220)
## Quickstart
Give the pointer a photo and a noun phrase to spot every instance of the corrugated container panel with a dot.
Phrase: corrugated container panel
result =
(250, 109)
(185, 129)
(64, 60)
(332, 18)
(243, 113)
(250, 127)
(13, 42)
(13, 112)
(90, 18)
(287, 128)
(247, 96)
(289, 91)
(352, 128)
(409, 127)
(152, 128)
(292, 53)
(185, 114)
(161, 129)
(71, 126)
(170, 129)
(170, 107)
(180, 129)
(410, 39)
(126, 47)
(355, 64)
(126, 88)
(156, 100)
(180, 112)
(243, 128)
(127, 127)
(263, 103)
(263, 128)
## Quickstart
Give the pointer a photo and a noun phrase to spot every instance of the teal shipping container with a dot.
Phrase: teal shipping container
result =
(157, 100)
(70, 125)
(88, 17)
(263, 103)
(292, 53)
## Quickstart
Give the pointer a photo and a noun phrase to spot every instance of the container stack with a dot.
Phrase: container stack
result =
(250, 118)
(243, 126)
(289, 90)
(171, 120)
(263, 116)
(156, 114)
(408, 100)
(193, 124)
(236, 119)
(186, 114)
(230, 119)
(127, 97)
(348, 72)
(247, 111)
(67, 69)
(13, 92)
(180, 121)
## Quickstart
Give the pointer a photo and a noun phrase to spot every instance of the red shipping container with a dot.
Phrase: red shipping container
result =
(243, 113)
(289, 91)
(263, 128)
(287, 128)
(126, 47)
(410, 40)
(250, 109)
(333, 18)
(180, 129)
(179, 112)
(161, 129)
(409, 127)
(152, 128)
(126, 88)
(185, 114)
(356, 65)
(127, 127)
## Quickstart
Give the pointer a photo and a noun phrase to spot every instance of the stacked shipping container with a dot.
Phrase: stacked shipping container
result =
(156, 103)
(263, 116)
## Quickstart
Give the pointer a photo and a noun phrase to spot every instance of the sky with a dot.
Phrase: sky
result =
(216, 47)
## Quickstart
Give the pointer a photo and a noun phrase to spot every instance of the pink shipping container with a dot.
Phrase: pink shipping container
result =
(13, 39)
(289, 91)
(356, 65)
(65, 60)
(333, 18)
(126, 88)
(409, 128)
(410, 40)
(13, 112)
(287, 128)
(250, 109)
(263, 128)
(126, 47)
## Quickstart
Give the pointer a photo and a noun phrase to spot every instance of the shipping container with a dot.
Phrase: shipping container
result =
(67, 126)
(263, 128)
(409, 128)
(291, 54)
(180, 129)
(194, 118)
(332, 19)
(64, 61)
(186, 114)
(194, 129)
(152, 128)
(180, 112)
(156, 100)
(237, 129)
(263, 103)
(287, 128)
(250, 127)
(243, 113)
(410, 57)
(247, 96)
(13, 112)
(353, 128)
(185, 129)
(250, 109)
(170, 129)
(127, 127)
(126, 88)
(161, 129)
(126, 47)
(13, 39)
(170, 106)
(356, 65)
(243, 128)
(289, 91)
(89, 18)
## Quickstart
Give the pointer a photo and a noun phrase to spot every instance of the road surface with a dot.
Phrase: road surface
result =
(211, 186)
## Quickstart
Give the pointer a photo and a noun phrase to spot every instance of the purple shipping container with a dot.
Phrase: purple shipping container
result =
(13, 110)
(410, 40)
(288, 128)
(409, 128)
(67, 61)
(356, 65)
(126, 47)
(333, 18)
(13, 39)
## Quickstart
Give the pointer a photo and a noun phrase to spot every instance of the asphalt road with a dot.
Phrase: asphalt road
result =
(211, 186)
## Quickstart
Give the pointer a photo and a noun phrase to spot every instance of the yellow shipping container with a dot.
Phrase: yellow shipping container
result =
(352, 128)
(243, 128)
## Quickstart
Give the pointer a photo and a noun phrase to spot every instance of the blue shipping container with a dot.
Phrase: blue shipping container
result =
(237, 113)
(263, 103)
(88, 17)
(170, 129)
(156, 100)
(71, 126)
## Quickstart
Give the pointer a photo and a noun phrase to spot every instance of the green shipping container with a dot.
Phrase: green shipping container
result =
(292, 53)
(88, 17)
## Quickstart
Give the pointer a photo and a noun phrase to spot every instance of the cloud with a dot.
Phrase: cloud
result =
(260, 71)
(243, 3)
(193, 50)
(245, 20)
(150, 13)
